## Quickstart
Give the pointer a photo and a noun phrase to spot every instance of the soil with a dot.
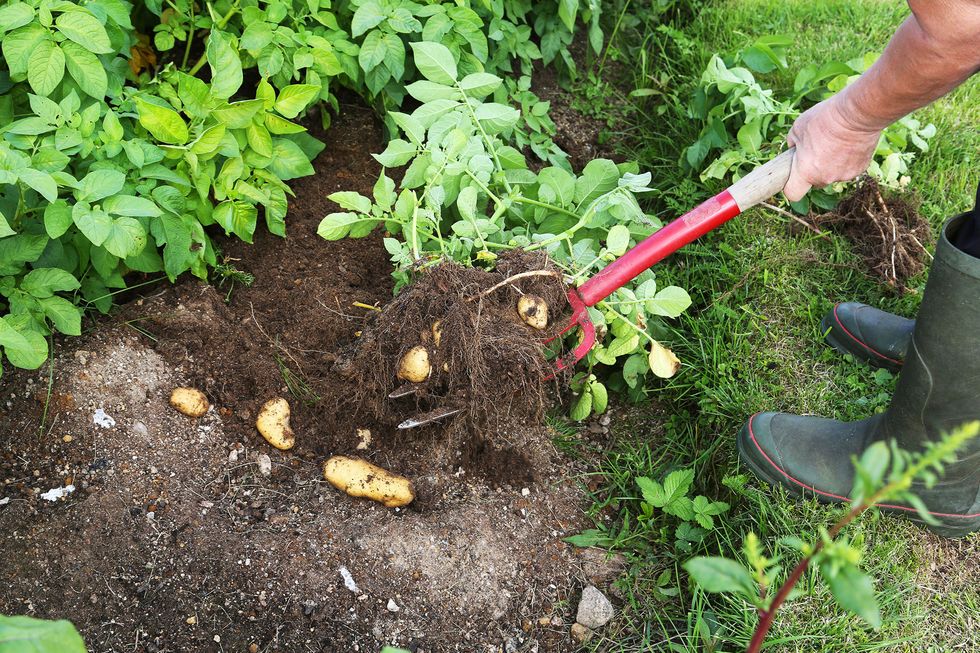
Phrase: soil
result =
(189, 534)
(580, 136)
(887, 232)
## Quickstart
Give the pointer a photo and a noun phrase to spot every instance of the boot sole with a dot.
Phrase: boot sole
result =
(949, 526)
(846, 343)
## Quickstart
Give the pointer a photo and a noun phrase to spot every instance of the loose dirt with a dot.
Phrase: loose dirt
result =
(189, 534)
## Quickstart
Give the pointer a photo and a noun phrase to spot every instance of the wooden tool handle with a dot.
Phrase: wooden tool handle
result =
(763, 182)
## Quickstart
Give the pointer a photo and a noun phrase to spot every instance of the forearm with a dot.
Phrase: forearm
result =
(934, 50)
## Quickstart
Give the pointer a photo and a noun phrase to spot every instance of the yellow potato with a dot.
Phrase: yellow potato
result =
(533, 311)
(189, 401)
(273, 424)
(414, 365)
(437, 332)
(359, 478)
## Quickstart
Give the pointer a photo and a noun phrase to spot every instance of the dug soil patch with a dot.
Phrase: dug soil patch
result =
(186, 534)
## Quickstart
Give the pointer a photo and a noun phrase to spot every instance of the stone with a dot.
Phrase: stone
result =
(265, 464)
(599, 567)
(580, 633)
(594, 609)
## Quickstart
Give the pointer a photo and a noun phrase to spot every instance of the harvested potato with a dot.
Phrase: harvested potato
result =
(273, 424)
(414, 365)
(189, 401)
(533, 311)
(359, 478)
(437, 332)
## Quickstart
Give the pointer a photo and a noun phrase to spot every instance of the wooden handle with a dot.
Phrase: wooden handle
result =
(763, 182)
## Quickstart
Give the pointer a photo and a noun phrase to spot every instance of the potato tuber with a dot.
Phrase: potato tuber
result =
(273, 424)
(414, 365)
(533, 310)
(189, 401)
(359, 478)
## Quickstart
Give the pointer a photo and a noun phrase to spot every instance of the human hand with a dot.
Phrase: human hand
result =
(830, 146)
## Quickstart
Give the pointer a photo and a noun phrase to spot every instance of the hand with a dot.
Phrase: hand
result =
(830, 146)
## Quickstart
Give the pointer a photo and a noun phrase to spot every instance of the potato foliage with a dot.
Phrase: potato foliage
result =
(131, 132)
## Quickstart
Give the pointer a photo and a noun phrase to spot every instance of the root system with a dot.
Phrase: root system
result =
(887, 232)
(487, 362)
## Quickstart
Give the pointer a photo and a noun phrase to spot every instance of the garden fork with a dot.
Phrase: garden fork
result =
(755, 187)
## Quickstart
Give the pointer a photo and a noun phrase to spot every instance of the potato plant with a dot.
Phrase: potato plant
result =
(128, 134)
(467, 194)
(743, 120)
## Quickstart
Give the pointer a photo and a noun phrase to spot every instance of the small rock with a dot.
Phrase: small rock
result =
(594, 610)
(265, 464)
(599, 567)
(103, 419)
(364, 435)
(580, 633)
(392, 606)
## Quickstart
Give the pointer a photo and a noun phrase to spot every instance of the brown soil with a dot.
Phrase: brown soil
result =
(886, 230)
(578, 135)
(195, 535)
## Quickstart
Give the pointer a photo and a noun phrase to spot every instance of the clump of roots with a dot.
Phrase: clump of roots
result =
(487, 362)
(887, 232)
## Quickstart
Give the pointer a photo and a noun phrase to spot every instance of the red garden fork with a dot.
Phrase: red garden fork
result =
(755, 187)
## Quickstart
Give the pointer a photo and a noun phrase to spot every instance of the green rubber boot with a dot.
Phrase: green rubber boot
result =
(868, 334)
(938, 390)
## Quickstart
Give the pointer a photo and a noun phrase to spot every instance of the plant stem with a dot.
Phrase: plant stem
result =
(190, 39)
(218, 25)
(612, 37)
(768, 615)
(544, 205)
(582, 221)
(636, 327)
(486, 137)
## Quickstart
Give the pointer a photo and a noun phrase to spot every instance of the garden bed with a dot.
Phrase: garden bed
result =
(180, 537)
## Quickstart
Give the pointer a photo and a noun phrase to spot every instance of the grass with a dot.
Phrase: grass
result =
(752, 342)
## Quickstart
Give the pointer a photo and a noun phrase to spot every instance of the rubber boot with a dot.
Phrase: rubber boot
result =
(868, 334)
(938, 390)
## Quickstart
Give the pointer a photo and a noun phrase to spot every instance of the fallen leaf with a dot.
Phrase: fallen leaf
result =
(663, 362)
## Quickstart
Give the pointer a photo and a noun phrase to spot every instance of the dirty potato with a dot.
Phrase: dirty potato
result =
(273, 424)
(533, 310)
(189, 401)
(437, 332)
(359, 478)
(414, 365)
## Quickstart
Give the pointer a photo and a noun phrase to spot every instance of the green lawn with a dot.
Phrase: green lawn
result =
(752, 342)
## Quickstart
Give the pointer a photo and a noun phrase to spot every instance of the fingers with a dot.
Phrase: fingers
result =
(797, 185)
